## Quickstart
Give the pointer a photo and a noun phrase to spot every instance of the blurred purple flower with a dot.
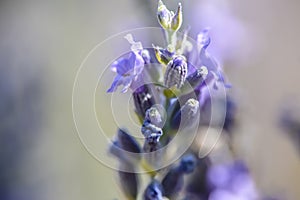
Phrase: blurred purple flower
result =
(229, 32)
(128, 70)
(231, 181)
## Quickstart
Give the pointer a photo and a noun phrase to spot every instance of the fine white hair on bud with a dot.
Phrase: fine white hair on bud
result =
(176, 72)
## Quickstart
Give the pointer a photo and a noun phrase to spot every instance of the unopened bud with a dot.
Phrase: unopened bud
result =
(187, 115)
(153, 115)
(167, 19)
(177, 19)
(164, 15)
(176, 72)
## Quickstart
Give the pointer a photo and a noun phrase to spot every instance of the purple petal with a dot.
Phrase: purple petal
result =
(117, 81)
(121, 66)
(132, 60)
(138, 65)
(126, 81)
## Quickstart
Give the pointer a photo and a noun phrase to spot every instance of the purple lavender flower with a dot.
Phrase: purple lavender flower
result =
(129, 68)
(191, 177)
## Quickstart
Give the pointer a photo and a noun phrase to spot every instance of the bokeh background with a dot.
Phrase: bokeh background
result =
(42, 44)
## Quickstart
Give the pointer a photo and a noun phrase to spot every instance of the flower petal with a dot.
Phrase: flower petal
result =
(121, 66)
(117, 81)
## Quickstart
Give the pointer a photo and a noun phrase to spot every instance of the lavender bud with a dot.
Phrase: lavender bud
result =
(164, 16)
(194, 81)
(162, 55)
(152, 135)
(153, 191)
(153, 116)
(177, 19)
(188, 163)
(127, 142)
(172, 183)
(188, 113)
(129, 183)
(149, 129)
(190, 109)
(152, 144)
(197, 77)
(143, 100)
(176, 72)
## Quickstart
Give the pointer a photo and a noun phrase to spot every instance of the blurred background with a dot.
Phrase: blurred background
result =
(42, 44)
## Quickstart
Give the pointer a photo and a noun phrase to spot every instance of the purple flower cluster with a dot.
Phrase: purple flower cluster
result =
(186, 87)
